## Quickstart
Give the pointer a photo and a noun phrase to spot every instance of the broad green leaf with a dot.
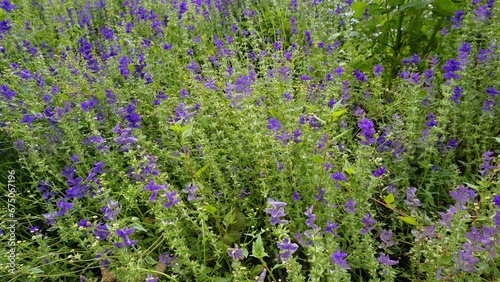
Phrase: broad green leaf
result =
(496, 139)
(417, 5)
(150, 260)
(348, 167)
(395, 2)
(338, 113)
(258, 248)
(409, 220)
(358, 8)
(444, 7)
(187, 131)
(211, 209)
(389, 199)
(176, 128)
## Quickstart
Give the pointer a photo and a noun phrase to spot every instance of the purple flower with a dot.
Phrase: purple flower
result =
(450, 68)
(377, 70)
(170, 199)
(262, 275)
(386, 261)
(338, 71)
(296, 196)
(153, 188)
(276, 212)
(350, 206)
(109, 210)
(492, 92)
(273, 125)
(330, 227)
(166, 259)
(320, 196)
(411, 199)
(431, 121)
(457, 19)
(338, 259)
(7, 92)
(456, 95)
(235, 253)
(462, 196)
(311, 218)
(447, 218)
(7, 6)
(488, 105)
(496, 201)
(414, 60)
(367, 130)
(4, 27)
(191, 191)
(84, 222)
(283, 137)
(243, 193)
(386, 237)
(101, 232)
(360, 76)
(124, 234)
(368, 223)
(465, 261)
(496, 219)
(288, 247)
(19, 145)
(379, 172)
(338, 176)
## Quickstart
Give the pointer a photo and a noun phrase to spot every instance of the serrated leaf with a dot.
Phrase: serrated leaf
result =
(258, 248)
(409, 220)
(138, 227)
(389, 199)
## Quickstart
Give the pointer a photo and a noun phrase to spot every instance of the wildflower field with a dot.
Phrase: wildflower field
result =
(249, 140)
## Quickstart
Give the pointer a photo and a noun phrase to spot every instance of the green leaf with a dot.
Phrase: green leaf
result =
(201, 170)
(138, 227)
(389, 199)
(395, 2)
(496, 139)
(417, 5)
(358, 8)
(150, 260)
(409, 220)
(211, 209)
(187, 131)
(36, 270)
(444, 7)
(130, 68)
(176, 128)
(337, 114)
(258, 248)
(348, 167)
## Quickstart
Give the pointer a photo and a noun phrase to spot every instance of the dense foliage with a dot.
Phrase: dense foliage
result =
(226, 140)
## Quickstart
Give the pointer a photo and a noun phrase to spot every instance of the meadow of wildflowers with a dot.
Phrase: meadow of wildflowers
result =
(259, 140)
